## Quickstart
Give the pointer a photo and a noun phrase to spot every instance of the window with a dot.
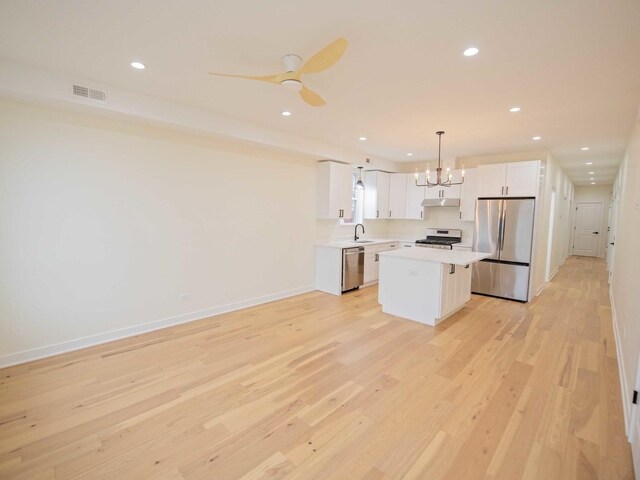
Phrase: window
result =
(357, 204)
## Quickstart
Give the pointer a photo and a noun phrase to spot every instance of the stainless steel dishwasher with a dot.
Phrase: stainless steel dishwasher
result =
(352, 268)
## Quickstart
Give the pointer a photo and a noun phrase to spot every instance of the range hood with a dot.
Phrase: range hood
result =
(441, 202)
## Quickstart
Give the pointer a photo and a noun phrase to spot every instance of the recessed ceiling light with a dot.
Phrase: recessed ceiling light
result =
(592, 178)
(536, 138)
(584, 149)
(362, 139)
(286, 113)
(471, 51)
(593, 183)
(589, 163)
(514, 109)
(592, 173)
(138, 65)
(409, 154)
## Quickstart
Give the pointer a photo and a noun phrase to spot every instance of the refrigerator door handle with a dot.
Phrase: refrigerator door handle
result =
(504, 221)
(499, 239)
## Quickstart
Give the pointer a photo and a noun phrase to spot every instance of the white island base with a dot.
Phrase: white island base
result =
(425, 285)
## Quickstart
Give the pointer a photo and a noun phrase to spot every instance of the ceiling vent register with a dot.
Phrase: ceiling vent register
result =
(90, 93)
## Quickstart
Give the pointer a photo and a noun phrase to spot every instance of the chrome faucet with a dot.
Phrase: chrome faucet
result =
(355, 232)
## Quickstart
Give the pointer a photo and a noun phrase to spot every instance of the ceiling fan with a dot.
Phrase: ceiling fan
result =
(291, 77)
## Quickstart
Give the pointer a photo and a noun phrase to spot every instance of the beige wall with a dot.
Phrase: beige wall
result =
(105, 224)
(602, 194)
(626, 262)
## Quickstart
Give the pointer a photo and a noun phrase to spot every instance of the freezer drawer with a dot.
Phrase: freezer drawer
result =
(501, 280)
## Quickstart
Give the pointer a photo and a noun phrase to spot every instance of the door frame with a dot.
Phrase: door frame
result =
(575, 220)
(633, 430)
(552, 220)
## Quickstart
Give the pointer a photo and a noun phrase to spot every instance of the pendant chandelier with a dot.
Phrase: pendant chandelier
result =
(439, 181)
(359, 182)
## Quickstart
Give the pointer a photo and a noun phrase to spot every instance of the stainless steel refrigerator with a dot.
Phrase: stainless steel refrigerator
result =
(504, 228)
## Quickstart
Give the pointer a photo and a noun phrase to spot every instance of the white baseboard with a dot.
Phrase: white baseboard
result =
(626, 405)
(92, 340)
(553, 274)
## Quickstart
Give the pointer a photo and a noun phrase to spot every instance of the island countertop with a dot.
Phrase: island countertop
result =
(437, 255)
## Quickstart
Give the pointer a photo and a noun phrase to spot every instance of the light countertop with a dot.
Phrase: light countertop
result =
(350, 243)
(436, 255)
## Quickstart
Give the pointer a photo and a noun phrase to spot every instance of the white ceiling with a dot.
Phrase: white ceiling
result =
(572, 65)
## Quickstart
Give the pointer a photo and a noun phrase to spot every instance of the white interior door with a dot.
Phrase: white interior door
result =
(587, 229)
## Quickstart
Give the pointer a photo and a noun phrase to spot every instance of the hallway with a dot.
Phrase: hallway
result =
(325, 387)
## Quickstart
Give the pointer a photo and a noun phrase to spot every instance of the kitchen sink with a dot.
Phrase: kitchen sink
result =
(365, 241)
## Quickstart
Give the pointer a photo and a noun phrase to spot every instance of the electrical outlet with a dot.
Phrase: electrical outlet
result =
(185, 297)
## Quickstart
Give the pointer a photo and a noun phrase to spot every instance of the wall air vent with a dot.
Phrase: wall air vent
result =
(90, 93)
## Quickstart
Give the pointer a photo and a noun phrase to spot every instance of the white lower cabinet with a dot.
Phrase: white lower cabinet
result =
(371, 266)
(372, 260)
(456, 288)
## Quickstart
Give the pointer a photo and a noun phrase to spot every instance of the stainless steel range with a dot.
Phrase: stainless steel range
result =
(440, 238)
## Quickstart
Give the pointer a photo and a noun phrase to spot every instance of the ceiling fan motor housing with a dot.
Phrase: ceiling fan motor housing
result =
(291, 62)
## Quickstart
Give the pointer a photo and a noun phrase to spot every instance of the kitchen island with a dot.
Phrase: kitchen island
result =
(425, 285)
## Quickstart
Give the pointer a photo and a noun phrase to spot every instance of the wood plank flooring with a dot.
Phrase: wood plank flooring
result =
(324, 387)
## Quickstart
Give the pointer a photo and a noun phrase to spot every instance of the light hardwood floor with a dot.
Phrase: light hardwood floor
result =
(324, 387)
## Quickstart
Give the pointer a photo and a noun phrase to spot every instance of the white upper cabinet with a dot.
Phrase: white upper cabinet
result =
(397, 195)
(454, 190)
(469, 195)
(376, 195)
(523, 179)
(432, 192)
(444, 192)
(334, 190)
(491, 180)
(415, 196)
(519, 179)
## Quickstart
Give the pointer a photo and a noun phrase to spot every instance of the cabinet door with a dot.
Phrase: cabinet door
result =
(448, 293)
(415, 196)
(327, 186)
(383, 195)
(376, 266)
(523, 179)
(369, 267)
(468, 196)
(345, 189)
(453, 191)
(491, 180)
(376, 195)
(433, 192)
(463, 286)
(397, 194)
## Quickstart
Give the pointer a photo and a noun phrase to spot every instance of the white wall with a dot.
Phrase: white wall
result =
(105, 223)
(602, 194)
(626, 261)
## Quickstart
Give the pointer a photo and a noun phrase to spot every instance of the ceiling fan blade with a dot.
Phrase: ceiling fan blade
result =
(311, 97)
(263, 78)
(325, 58)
